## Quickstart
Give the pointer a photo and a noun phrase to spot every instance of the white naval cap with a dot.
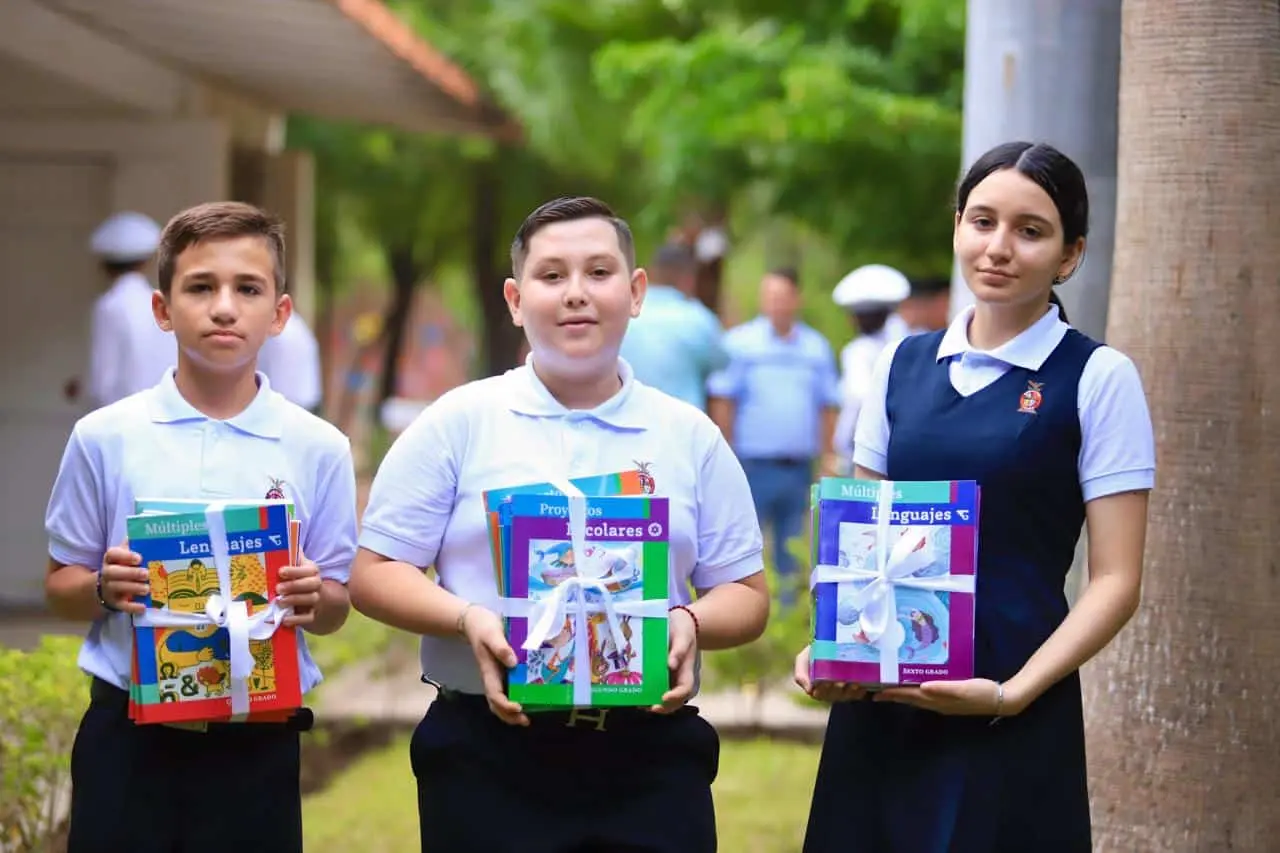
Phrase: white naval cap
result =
(126, 237)
(871, 287)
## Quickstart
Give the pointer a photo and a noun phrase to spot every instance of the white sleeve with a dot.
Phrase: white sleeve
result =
(730, 545)
(413, 493)
(104, 357)
(1117, 446)
(871, 439)
(75, 519)
(329, 539)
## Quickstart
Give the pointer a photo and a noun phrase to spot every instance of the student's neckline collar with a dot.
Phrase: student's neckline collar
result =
(530, 397)
(260, 418)
(1029, 349)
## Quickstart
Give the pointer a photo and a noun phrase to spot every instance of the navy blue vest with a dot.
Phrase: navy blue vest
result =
(1020, 439)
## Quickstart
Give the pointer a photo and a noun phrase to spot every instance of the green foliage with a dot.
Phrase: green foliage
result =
(846, 118)
(42, 696)
(836, 120)
(769, 661)
(360, 639)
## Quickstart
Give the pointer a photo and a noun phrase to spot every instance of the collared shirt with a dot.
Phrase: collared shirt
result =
(157, 445)
(675, 344)
(780, 387)
(857, 363)
(128, 351)
(1117, 448)
(291, 360)
(426, 505)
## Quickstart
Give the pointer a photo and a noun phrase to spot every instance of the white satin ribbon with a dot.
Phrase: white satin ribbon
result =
(876, 600)
(222, 611)
(569, 598)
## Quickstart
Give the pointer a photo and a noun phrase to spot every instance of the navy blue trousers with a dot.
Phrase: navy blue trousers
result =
(639, 784)
(159, 789)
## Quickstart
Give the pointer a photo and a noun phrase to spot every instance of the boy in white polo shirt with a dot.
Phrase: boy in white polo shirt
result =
(490, 777)
(212, 429)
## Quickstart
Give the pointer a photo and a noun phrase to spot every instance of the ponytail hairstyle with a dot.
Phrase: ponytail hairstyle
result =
(1062, 310)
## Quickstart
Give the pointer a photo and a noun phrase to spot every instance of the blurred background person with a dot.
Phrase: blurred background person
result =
(927, 308)
(871, 295)
(291, 361)
(677, 342)
(128, 352)
(776, 403)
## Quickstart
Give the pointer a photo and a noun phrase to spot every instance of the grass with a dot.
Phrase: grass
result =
(762, 801)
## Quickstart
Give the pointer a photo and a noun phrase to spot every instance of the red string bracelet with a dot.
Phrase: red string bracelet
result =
(697, 626)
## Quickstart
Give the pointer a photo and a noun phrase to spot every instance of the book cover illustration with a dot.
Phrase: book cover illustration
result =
(636, 482)
(625, 641)
(897, 611)
(184, 671)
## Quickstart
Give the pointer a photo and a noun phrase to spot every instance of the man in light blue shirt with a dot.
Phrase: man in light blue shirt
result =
(776, 403)
(676, 342)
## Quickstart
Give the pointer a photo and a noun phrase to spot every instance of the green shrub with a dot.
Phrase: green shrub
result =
(769, 661)
(42, 697)
(360, 639)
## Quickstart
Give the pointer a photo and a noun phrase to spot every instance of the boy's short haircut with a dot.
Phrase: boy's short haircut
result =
(219, 220)
(569, 209)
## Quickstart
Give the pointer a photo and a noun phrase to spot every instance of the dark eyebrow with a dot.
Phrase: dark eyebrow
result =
(1033, 217)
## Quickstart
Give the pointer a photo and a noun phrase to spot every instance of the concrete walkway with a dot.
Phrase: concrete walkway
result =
(359, 693)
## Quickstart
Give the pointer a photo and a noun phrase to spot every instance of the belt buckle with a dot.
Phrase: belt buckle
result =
(596, 717)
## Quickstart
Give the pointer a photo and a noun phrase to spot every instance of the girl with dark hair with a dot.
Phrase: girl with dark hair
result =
(1055, 428)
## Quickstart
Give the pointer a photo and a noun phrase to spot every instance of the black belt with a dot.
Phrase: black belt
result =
(104, 694)
(599, 719)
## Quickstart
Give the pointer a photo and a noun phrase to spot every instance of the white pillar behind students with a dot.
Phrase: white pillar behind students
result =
(128, 352)
(291, 360)
(870, 294)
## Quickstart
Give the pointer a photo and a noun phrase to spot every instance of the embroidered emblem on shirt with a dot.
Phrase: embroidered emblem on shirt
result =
(647, 483)
(276, 492)
(1031, 398)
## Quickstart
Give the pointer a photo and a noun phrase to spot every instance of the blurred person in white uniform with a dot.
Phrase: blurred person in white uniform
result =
(128, 352)
(291, 361)
(871, 295)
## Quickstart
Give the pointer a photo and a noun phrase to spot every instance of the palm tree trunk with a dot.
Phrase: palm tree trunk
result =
(1180, 709)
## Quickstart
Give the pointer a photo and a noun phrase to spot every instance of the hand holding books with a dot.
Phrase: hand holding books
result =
(299, 591)
(483, 629)
(121, 579)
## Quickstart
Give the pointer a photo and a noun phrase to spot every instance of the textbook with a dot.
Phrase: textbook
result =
(587, 619)
(893, 581)
(635, 482)
(209, 647)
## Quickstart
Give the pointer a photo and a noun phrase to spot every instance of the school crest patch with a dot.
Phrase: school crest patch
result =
(647, 483)
(276, 492)
(1031, 398)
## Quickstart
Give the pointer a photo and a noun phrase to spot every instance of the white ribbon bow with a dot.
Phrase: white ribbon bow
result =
(876, 601)
(220, 610)
(569, 598)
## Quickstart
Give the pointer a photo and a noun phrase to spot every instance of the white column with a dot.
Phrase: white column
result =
(1049, 71)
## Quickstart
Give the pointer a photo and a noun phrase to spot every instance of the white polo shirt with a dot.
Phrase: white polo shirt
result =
(154, 444)
(1117, 446)
(426, 506)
